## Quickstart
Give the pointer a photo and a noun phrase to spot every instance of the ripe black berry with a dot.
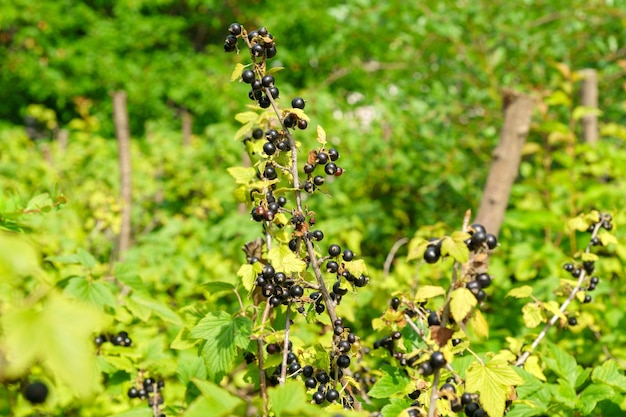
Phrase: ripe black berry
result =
(282, 200)
(587, 299)
(36, 392)
(477, 228)
(317, 235)
(344, 346)
(257, 50)
(247, 76)
(252, 34)
(332, 395)
(235, 29)
(293, 367)
(302, 124)
(470, 409)
(334, 250)
(308, 168)
(268, 271)
(318, 397)
(437, 360)
(466, 398)
(275, 301)
(426, 368)
(491, 241)
(307, 371)
(269, 148)
(270, 52)
(394, 303)
(296, 291)
(478, 238)
(321, 158)
(351, 338)
(415, 394)
(310, 382)
(297, 103)
(447, 387)
(133, 392)
(267, 81)
(484, 280)
(343, 361)
(348, 255)
(433, 319)
(572, 321)
(330, 168)
(432, 254)
(274, 92)
(569, 267)
(322, 377)
(264, 102)
(333, 154)
(318, 180)
(456, 342)
(272, 348)
(332, 266)
(338, 290)
(319, 308)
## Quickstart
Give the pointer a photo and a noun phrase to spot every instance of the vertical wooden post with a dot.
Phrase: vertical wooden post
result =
(187, 123)
(122, 132)
(589, 98)
(518, 110)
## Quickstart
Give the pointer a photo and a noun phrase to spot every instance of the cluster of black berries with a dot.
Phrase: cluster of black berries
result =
(262, 43)
(151, 389)
(277, 287)
(479, 241)
(268, 208)
(293, 364)
(36, 392)
(276, 141)
(336, 265)
(259, 88)
(120, 339)
(325, 158)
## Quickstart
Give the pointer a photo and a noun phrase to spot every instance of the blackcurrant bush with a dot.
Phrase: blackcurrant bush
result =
(432, 254)
(334, 250)
(348, 255)
(437, 360)
(296, 291)
(247, 76)
(484, 280)
(332, 395)
(267, 81)
(235, 29)
(343, 361)
(297, 103)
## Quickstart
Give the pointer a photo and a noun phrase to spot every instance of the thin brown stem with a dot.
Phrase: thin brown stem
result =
(434, 395)
(283, 369)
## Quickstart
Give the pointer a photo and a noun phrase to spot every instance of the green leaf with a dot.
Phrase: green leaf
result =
(492, 381)
(290, 399)
(96, 293)
(39, 202)
(321, 135)
(532, 315)
(393, 382)
(214, 400)
(609, 373)
(247, 117)
(582, 111)
(86, 259)
(522, 292)
(606, 238)
(223, 334)
(416, 248)
(426, 292)
(236, 74)
(142, 411)
(395, 407)
(283, 259)
(17, 258)
(242, 175)
(461, 304)
(562, 363)
(458, 250)
(356, 267)
(158, 308)
(592, 395)
(58, 335)
(215, 287)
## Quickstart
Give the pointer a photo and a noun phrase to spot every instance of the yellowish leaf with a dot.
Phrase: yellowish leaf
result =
(479, 324)
(321, 135)
(521, 292)
(532, 366)
(492, 382)
(461, 304)
(533, 315)
(426, 292)
(237, 72)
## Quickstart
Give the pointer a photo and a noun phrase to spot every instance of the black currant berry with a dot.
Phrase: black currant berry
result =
(334, 250)
(275, 301)
(480, 413)
(274, 92)
(264, 102)
(466, 398)
(338, 290)
(456, 342)
(318, 180)
(282, 200)
(268, 271)
(252, 34)
(343, 361)
(308, 187)
(333, 154)
(332, 395)
(36, 392)
(272, 348)
(317, 235)
(302, 124)
(332, 266)
(477, 228)
(587, 299)
(415, 394)
(437, 360)
(394, 303)
(318, 397)
(322, 377)
(247, 76)
(257, 50)
(448, 387)
(572, 321)
(228, 47)
(319, 308)
(293, 368)
(426, 368)
(348, 255)
(432, 254)
(471, 408)
(307, 371)
(569, 267)
(133, 392)
(308, 168)
(290, 120)
(351, 338)
(267, 81)
(477, 239)
(330, 168)
(344, 346)
(321, 158)
(484, 280)
(433, 319)
(491, 241)
(269, 148)
(235, 29)
(271, 52)
(297, 103)
(296, 291)
(293, 244)
(589, 266)
(310, 382)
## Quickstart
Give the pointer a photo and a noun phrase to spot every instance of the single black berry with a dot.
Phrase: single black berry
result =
(321, 158)
(491, 241)
(332, 266)
(318, 397)
(437, 360)
(466, 398)
(426, 368)
(587, 299)
(272, 348)
(264, 102)
(348, 255)
(333, 154)
(477, 228)
(318, 180)
(343, 361)
(235, 29)
(133, 392)
(484, 280)
(344, 346)
(302, 124)
(471, 408)
(36, 392)
(297, 103)
(269, 148)
(432, 254)
(415, 394)
(270, 52)
(322, 377)
(317, 235)
(433, 319)
(330, 168)
(394, 303)
(334, 250)
(267, 81)
(332, 395)
(569, 267)
(319, 308)
(310, 382)
(247, 76)
(307, 371)
(572, 321)
(296, 291)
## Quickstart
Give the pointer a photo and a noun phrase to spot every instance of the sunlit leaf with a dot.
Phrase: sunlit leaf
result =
(521, 292)
(492, 382)
(461, 304)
